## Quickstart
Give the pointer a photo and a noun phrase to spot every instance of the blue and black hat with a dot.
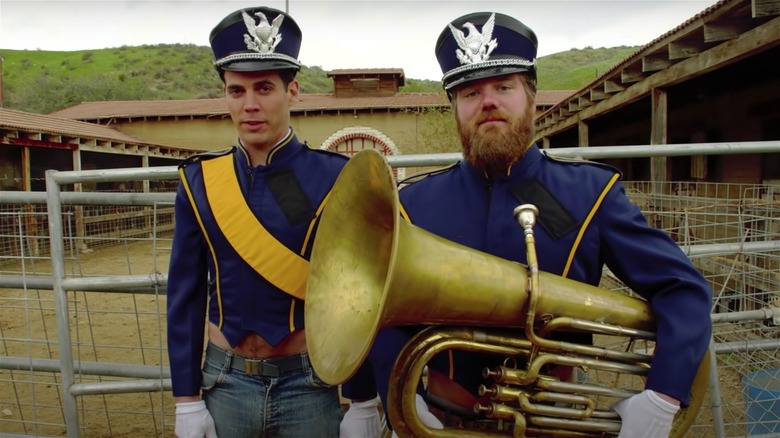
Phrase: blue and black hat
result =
(256, 39)
(483, 45)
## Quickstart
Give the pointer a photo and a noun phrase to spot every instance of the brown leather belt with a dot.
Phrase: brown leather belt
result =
(272, 367)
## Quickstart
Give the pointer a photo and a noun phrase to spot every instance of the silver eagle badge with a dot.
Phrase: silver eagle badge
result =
(476, 46)
(264, 36)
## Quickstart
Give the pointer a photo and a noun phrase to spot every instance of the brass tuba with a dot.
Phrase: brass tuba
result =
(371, 269)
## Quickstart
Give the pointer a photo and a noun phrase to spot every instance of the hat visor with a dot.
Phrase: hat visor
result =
(485, 73)
(259, 66)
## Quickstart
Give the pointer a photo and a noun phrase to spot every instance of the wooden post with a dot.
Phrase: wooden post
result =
(658, 135)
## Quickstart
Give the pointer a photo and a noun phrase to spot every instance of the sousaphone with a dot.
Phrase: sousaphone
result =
(370, 269)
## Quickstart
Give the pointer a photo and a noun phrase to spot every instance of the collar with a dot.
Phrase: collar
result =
(283, 149)
(519, 170)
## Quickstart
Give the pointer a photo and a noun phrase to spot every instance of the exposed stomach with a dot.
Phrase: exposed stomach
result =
(253, 346)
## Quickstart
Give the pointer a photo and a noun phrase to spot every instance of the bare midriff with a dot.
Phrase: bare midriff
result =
(254, 346)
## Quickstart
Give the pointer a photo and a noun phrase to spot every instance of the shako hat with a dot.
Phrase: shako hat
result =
(256, 39)
(483, 45)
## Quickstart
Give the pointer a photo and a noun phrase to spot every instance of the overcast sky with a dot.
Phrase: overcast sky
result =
(338, 34)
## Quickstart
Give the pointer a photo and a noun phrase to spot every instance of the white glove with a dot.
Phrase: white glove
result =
(425, 414)
(193, 420)
(426, 417)
(361, 420)
(645, 415)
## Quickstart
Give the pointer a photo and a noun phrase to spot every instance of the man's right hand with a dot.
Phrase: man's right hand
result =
(193, 420)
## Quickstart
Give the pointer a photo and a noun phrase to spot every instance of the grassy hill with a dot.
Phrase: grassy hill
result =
(44, 81)
(573, 69)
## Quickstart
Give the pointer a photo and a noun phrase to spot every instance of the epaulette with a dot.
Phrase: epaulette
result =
(422, 175)
(206, 156)
(577, 161)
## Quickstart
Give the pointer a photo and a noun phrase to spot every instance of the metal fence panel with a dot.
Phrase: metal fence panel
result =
(96, 293)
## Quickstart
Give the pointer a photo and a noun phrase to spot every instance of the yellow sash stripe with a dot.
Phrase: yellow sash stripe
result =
(291, 316)
(585, 224)
(186, 184)
(270, 258)
(403, 213)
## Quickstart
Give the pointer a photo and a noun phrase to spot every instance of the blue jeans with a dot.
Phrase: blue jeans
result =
(293, 405)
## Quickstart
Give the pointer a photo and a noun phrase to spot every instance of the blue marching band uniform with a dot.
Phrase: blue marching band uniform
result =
(578, 231)
(252, 233)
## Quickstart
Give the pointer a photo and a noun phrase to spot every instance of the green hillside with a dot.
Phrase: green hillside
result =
(43, 81)
(576, 68)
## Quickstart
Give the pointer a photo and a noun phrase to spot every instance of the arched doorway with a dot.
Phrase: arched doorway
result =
(349, 141)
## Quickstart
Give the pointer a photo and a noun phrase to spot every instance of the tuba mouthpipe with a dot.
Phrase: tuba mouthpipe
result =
(593, 327)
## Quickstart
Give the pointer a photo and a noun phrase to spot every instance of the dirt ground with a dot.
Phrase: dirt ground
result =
(105, 327)
(125, 328)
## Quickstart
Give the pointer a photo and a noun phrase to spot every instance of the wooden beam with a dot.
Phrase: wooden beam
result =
(26, 172)
(659, 118)
(596, 95)
(765, 8)
(584, 101)
(658, 135)
(631, 77)
(725, 30)
(31, 142)
(654, 63)
(583, 134)
(612, 87)
(684, 49)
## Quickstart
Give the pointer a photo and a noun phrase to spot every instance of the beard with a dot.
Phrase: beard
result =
(493, 149)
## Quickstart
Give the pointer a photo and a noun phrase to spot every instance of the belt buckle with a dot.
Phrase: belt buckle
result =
(260, 368)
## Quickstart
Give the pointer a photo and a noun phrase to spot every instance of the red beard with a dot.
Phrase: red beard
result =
(494, 149)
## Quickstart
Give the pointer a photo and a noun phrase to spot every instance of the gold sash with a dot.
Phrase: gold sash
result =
(270, 258)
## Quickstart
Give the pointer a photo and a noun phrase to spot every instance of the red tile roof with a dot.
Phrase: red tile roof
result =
(23, 121)
(143, 108)
(306, 103)
(12, 120)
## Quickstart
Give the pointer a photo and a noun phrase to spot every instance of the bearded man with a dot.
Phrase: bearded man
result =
(585, 222)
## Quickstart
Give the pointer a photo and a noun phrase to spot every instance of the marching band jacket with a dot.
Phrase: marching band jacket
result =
(585, 222)
(241, 247)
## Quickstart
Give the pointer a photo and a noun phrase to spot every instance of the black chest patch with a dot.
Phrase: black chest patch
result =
(555, 219)
(290, 196)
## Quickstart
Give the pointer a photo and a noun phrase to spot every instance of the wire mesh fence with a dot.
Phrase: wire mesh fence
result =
(728, 231)
(116, 314)
(117, 334)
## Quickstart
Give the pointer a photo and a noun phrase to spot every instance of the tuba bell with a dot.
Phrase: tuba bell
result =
(370, 269)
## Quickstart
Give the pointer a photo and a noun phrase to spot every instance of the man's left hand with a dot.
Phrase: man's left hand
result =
(645, 415)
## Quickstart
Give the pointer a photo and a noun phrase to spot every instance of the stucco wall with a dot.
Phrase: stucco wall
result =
(410, 131)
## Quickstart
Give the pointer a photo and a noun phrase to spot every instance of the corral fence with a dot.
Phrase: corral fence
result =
(82, 295)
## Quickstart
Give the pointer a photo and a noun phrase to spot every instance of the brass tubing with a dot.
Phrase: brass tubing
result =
(370, 269)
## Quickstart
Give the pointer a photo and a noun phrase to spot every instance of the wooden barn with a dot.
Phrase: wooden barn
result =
(712, 79)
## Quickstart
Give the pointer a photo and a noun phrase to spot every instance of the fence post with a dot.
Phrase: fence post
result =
(56, 237)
